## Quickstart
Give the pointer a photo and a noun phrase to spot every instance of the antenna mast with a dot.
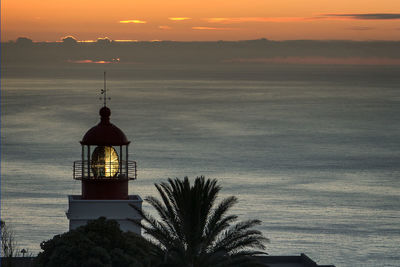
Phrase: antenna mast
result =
(104, 91)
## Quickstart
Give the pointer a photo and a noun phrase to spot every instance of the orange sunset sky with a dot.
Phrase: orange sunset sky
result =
(200, 20)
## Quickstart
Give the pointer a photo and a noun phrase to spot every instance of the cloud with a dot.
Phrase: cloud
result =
(164, 27)
(367, 16)
(211, 28)
(89, 61)
(103, 41)
(125, 41)
(257, 19)
(360, 28)
(204, 28)
(320, 60)
(68, 38)
(179, 18)
(135, 21)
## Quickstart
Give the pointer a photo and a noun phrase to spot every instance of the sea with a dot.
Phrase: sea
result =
(313, 151)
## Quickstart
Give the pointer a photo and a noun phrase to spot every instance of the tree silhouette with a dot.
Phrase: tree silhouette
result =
(100, 243)
(9, 246)
(194, 232)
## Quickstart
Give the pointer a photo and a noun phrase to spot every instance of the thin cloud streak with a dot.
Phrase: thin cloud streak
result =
(125, 41)
(257, 19)
(319, 60)
(210, 28)
(89, 61)
(135, 21)
(367, 16)
(164, 27)
(179, 18)
(204, 28)
(360, 28)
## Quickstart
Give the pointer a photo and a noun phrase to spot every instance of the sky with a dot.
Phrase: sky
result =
(200, 20)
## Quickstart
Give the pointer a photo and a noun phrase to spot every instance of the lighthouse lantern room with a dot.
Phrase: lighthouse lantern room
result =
(105, 169)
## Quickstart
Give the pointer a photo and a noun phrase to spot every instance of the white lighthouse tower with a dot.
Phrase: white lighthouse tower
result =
(104, 172)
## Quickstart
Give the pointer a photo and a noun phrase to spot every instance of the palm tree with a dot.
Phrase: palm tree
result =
(193, 232)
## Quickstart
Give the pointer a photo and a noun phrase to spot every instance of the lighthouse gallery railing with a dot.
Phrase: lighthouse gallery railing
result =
(126, 170)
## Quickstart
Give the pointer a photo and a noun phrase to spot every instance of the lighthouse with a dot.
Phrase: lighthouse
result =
(104, 171)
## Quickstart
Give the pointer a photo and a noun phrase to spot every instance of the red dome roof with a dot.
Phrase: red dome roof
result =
(105, 133)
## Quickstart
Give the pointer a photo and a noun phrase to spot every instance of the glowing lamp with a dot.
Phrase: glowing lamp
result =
(105, 162)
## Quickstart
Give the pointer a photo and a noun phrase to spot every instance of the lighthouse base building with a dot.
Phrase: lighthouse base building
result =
(80, 211)
(104, 172)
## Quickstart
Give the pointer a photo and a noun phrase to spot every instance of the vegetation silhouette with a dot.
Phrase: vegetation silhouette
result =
(9, 247)
(100, 243)
(194, 231)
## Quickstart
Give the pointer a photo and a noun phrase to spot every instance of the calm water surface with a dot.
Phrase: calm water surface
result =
(316, 159)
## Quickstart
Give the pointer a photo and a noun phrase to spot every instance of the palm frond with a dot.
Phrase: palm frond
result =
(216, 223)
(163, 212)
(239, 236)
(156, 229)
(171, 214)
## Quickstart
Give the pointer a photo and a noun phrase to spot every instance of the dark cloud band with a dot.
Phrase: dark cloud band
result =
(368, 16)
